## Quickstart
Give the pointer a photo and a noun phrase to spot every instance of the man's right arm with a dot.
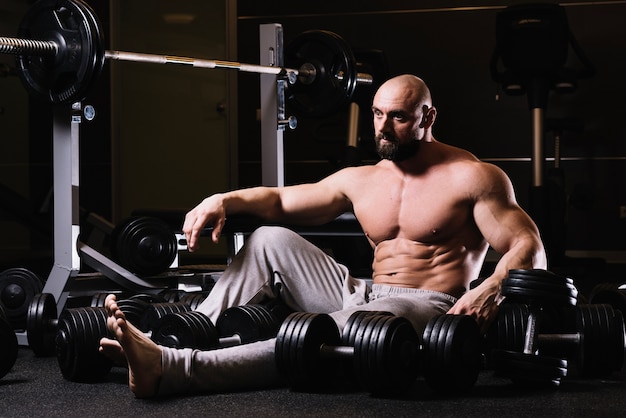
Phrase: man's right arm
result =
(307, 204)
(212, 211)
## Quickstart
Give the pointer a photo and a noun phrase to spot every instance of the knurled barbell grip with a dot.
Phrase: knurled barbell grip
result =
(195, 62)
(20, 46)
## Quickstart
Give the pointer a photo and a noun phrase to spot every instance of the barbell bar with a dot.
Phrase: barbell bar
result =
(60, 53)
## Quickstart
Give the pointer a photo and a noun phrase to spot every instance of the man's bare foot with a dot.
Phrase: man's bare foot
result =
(142, 354)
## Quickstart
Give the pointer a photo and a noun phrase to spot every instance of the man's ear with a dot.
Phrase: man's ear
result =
(429, 114)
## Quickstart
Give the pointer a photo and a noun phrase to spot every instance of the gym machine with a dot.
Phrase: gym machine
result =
(532, 43)
(60, 54)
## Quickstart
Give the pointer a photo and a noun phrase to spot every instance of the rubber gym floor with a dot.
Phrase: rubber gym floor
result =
(35, 388)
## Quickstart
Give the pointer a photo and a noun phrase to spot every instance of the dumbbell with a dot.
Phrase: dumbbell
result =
(544, 293)
(384, 351)
(80, 330)
(17, 288)
(235, 326)
(8, 345)
(593, 339)
(42, 317)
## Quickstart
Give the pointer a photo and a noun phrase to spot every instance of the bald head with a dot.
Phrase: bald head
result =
(406, 88)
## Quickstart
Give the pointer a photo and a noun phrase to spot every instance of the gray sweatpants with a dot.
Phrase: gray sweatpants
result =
(276, 262)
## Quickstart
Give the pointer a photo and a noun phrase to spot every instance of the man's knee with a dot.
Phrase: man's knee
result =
(274, 235)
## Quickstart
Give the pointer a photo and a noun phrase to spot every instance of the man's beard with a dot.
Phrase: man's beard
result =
(394, 151)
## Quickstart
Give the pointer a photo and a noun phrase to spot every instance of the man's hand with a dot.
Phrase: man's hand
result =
(210, 211)
(481, 303)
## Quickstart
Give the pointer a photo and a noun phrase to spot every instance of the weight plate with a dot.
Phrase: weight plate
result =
(387, 362)
(68, 76)
(530, 370)
(335, 78)
(18, 286)
(41, 324)
(8, 347)
(77, 341)
(156, 311)
(298, 350)
(194, 299)
(463, 356)
(352, 324)
(134, 310)
(250, 322)
(610, 294)
(538, 292)
(144, 245)
(602, 347)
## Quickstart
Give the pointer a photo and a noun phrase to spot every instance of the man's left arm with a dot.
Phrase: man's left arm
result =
(509, 231)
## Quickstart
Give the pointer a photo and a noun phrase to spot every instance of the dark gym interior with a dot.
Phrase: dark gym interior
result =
(166, 137)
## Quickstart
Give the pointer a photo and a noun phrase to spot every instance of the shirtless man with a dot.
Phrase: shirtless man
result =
(429, 210)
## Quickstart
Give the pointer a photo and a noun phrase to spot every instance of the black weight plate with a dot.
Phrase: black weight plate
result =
(531, 370)
(204, 334)
(18, 286)
(543, 285)
(602, 347)
(156, 311)
(352, 324)
(392, 352)
(134, 310)
(610, 294)
(194, 299)
(540, 275)
(249, 322)
(298, 350)
(462, 360)
(434, 347)
(333, 59)
(144, 245)
(77, 341)
(365, 359)
(525, 293)
(41, 324)
(67, 77)
(8, 347)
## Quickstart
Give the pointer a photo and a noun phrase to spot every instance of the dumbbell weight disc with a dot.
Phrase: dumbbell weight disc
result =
(190, 329)
(156, 311)
(134, 309)
(40, 330)
(610, 294)
(530, 370)
(250, 322)
(8, 346)
(385, 353)
(509, 329)
(77, 341)
(452, 353)
(351, 327)
(144, 245)
(298, 350)
(194, 299)
(18, 286)
(602, 347)
(544, 287)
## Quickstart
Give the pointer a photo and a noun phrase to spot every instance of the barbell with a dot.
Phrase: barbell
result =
(60, 54)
